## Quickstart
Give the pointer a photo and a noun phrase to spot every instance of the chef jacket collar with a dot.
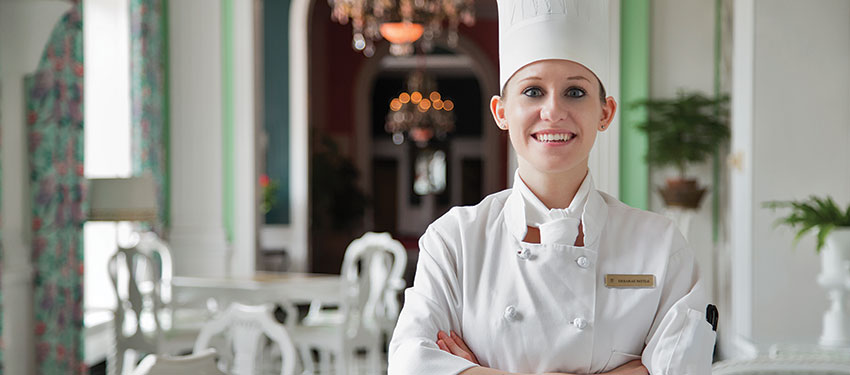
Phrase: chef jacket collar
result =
(537, 213)
(593, 216)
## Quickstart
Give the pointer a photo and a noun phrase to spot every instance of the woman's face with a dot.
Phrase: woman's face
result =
(552, 111)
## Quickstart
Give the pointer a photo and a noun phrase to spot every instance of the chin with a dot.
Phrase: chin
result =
(556, 167)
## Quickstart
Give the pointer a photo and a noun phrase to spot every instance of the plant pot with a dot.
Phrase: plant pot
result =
(682, 193)
(835, 278)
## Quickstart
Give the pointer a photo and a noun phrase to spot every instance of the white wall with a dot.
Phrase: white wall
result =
(801, 129)
(682, 58)
(791, 127)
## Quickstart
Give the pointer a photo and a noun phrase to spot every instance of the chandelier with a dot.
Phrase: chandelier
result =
(421, 113)
(401, 22)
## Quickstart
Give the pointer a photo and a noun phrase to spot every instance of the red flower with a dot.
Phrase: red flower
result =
(80, 170)
(32, 117)
(78, 70)
(40, 328)
(264, 180)
(36, 224)
(60, 351)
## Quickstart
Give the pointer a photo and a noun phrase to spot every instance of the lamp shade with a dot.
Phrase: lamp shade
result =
(123, 199)
(401, 32)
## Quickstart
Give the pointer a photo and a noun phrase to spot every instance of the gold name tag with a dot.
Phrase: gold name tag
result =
(629, 281)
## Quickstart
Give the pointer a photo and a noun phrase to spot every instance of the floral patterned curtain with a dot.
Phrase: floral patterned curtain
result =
(147, 95)
(58, 191)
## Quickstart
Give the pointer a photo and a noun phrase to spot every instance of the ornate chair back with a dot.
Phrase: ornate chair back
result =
(247, 331)
(141, 279)
(372, 273)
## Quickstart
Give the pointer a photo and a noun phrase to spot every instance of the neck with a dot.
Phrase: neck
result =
(555, 190)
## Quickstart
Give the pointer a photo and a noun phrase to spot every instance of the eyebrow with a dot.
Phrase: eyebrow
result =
(568, 78)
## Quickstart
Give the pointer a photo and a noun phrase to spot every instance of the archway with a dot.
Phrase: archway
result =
(300, 20)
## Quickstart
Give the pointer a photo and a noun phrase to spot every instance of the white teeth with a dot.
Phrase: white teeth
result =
(563, 137)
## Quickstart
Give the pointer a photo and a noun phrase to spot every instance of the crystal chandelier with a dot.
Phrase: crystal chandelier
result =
(401, 22)
(421, 113)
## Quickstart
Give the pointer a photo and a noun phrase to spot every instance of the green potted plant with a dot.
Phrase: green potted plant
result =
(684, 130)
(821, 213)
(337, 203)
(833, 245)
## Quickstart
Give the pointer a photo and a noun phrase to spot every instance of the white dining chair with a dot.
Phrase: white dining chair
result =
(201, 363)
(250, 341)
(372, 277)
(144, 319)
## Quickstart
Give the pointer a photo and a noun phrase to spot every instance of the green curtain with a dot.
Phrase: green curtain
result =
(58, 191)
(149, 126)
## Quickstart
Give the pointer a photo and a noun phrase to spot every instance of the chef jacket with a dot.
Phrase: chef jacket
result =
(533, 308)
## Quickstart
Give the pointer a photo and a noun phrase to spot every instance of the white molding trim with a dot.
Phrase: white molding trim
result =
(245, 127)
(741, 202)
(299, 193)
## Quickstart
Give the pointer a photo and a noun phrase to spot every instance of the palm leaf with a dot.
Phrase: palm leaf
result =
(824, 231)
(804, 216)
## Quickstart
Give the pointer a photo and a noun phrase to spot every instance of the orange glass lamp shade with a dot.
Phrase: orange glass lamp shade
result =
(401, 32)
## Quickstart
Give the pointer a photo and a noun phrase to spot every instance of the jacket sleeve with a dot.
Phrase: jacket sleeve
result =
(681, 341)
(431, 305)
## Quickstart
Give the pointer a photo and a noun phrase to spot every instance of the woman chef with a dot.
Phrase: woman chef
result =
(553, 275)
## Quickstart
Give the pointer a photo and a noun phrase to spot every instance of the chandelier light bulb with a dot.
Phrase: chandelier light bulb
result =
(416, 97)
(359, 42)
(395, 105)
(404, 98)
(398, 138)
(448, 105)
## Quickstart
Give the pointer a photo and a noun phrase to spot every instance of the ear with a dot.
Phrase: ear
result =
(608, 111)
(497, 108)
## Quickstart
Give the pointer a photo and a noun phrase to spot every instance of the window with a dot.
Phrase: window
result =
(106, 44)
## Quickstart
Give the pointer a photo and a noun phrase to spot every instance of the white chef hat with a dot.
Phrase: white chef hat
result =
(534, 30)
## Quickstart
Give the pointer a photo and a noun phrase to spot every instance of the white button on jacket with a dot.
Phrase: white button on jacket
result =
(551, 314)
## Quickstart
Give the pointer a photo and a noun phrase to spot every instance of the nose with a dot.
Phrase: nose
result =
(553, 109)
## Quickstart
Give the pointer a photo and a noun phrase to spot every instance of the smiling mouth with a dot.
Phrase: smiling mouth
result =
(553, 137)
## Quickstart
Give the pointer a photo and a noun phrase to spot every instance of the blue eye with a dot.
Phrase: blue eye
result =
(576, 92)
(533, 92)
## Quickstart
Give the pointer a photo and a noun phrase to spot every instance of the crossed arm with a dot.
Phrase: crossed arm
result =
(453, 344)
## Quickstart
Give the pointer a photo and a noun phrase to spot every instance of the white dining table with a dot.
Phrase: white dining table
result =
(263, 287)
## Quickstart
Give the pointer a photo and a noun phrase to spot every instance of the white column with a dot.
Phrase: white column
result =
(737, 342)
(297, 232)
(24, 29)
(197, 235)
(244, 132)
